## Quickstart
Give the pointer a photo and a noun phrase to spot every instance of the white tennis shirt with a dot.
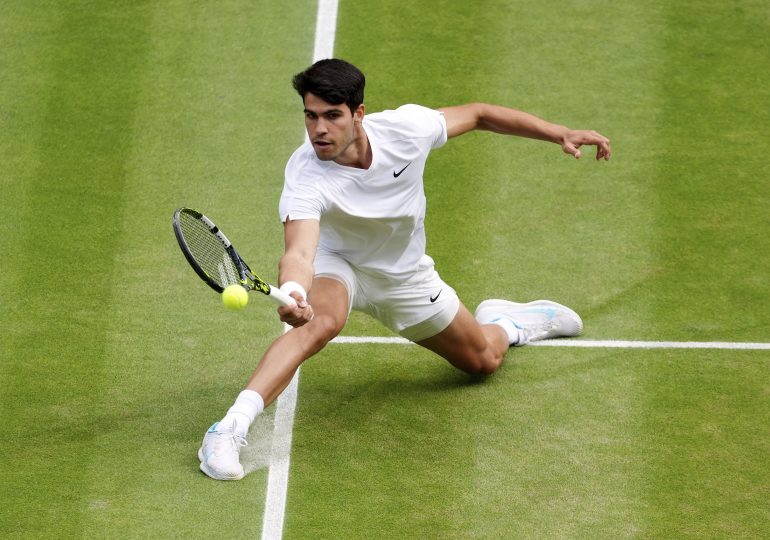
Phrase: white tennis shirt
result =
(373, 218)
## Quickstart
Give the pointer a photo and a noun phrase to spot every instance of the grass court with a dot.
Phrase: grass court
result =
(115, 358)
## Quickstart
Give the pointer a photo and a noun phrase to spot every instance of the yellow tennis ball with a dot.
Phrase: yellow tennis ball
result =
(235, 297)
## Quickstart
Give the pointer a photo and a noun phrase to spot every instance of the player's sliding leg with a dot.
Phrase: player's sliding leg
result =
(478, 345)
(220, 451)
(533, 321)
(469, 346)
(329, 299)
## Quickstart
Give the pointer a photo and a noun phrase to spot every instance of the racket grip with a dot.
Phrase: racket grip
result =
(280, 297)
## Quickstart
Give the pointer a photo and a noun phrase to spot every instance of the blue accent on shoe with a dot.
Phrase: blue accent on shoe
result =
(549, 312)
(213, 428)
(514, 323)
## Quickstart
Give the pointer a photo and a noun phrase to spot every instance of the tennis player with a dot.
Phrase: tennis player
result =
(353, 209)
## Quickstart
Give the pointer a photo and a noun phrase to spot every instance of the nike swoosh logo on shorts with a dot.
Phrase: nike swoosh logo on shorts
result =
(397, 174)
(434, 298)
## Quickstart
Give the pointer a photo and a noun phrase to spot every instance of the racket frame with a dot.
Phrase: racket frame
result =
(247, 279)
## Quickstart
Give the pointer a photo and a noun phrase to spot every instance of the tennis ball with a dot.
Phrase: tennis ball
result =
(235, 297)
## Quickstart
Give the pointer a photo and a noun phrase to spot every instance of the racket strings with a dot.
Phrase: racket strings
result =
(208, 251)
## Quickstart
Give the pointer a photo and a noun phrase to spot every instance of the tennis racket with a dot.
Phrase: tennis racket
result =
(214, 258)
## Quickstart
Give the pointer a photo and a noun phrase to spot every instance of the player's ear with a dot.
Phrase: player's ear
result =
(358, 114)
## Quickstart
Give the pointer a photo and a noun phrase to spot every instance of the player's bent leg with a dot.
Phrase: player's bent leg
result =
(220, 452)
(469, 346)
(329, 299)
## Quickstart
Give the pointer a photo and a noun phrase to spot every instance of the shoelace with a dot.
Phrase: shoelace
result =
(236, 442)
(534, 331)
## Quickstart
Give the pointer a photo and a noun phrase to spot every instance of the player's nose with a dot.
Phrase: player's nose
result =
(320, 127)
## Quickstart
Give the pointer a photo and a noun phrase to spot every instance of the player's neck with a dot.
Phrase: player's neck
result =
(359, 153)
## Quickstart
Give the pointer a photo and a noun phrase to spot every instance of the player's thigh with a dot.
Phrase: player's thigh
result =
(464, 344)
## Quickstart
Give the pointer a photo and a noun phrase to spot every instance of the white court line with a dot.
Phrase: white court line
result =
(325, 30)
(278, 474)
(618, 344)
(578, 343)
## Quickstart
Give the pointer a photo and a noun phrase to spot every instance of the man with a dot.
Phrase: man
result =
(353, 209)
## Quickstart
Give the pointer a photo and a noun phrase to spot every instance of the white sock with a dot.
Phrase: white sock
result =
(510, 329)
(248, 405)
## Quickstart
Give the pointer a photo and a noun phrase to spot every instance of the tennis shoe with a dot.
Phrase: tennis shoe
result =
(220, 453)
(535, 321)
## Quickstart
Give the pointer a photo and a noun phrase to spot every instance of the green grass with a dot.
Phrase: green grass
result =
(586, 444)
(144, 108)
(114, 359)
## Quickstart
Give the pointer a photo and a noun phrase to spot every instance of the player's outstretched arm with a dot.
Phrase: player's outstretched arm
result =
(483, 116)
(296, 268)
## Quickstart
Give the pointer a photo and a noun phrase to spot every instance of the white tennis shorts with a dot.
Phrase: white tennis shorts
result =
(417, 308)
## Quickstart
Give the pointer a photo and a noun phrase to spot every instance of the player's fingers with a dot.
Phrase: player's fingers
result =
(571, 149)
(298, 298)
(293, 321)
(603, 150)
(296, 315)
(289, 314)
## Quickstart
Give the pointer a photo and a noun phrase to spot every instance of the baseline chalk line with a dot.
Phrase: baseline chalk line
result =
(278, 473)
(584, 343)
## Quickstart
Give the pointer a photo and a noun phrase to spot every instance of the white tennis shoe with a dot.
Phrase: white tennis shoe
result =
(535, 321)
(220, 453)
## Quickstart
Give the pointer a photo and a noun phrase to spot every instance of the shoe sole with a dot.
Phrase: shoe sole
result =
(210, 472)
(536, 303)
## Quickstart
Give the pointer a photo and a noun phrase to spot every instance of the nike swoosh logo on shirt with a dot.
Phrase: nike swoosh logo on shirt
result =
(434, 298)
(397, 174)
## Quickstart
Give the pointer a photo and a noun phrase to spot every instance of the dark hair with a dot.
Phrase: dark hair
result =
(335, 81)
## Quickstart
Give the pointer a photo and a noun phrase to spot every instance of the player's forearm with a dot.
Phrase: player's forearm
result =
(294, 267)
(514, 122)
(301, 241)
(484, 116)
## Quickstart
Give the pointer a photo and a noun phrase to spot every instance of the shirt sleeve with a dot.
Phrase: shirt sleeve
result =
(300, 198)
(427, 123)
(442, 137)
(291, 207)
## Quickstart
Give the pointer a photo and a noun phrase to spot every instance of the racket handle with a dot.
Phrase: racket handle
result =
(280, 297)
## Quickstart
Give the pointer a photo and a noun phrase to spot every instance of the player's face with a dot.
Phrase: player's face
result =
(331, 128)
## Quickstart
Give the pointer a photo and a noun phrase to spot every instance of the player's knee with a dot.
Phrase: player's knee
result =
(488, 366)
(480, 363)
(477, 368)
(321, 330)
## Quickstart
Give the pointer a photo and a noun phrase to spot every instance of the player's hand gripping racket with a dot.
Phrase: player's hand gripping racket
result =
(214, 258)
